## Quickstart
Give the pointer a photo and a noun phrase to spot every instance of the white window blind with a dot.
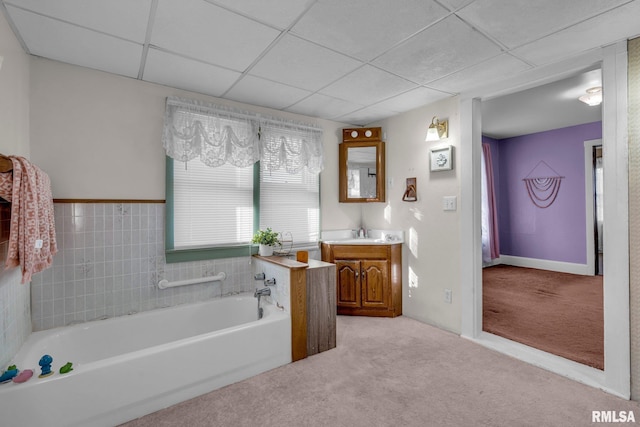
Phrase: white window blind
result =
(212, 206)
(291, 203)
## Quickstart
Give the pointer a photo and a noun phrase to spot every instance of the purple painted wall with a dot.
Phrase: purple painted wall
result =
(556, 233)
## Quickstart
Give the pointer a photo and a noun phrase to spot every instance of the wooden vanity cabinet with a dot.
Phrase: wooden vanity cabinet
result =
(368, 278)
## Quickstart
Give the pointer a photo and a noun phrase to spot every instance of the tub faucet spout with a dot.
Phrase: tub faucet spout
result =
(258, 293)
(262, 292)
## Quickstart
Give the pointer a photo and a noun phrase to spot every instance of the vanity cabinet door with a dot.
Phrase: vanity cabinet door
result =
(348, 283)
(368, 278)
(375, 283)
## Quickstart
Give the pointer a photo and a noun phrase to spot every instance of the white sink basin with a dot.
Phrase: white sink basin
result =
(363, 241)
(377, 237)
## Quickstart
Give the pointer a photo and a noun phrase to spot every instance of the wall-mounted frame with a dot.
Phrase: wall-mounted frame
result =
(441, 159)
(362, 168)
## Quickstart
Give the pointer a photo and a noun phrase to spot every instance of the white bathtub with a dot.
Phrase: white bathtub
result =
(130, 366)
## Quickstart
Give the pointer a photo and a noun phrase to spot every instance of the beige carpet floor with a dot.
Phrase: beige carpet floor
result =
(396, 372)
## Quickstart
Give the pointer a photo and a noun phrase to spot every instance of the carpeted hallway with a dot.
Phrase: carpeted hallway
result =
(400, 372)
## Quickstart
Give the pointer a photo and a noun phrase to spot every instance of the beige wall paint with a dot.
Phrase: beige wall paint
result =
(432, 252)
(97, 135)
(14, 94)
(14, 139)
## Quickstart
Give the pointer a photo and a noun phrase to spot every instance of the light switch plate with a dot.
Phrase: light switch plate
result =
(449, 203)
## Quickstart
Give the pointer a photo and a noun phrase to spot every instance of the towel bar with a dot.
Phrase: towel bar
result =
(164, 283)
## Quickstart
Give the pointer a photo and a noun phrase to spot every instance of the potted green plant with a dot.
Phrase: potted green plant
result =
(267, 239)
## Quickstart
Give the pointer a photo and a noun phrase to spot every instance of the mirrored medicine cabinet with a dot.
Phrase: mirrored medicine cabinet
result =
(362, 166)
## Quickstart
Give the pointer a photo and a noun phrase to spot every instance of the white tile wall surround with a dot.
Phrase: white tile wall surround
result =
(15, 321)
(280, 293)
(110, 259)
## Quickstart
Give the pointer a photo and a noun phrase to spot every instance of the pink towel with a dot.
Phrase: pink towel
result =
(32, 219)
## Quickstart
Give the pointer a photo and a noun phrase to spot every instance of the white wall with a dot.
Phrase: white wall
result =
(98, 135)
(14, 94)
(15, 310)
(432, 252)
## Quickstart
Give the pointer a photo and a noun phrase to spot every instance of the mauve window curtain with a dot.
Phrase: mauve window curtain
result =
(490, 238)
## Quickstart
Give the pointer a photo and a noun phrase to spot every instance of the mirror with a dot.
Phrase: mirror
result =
(362, 170)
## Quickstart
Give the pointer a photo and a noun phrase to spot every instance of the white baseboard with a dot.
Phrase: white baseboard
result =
(544, 264)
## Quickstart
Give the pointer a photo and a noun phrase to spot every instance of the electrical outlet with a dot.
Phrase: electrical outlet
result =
(447, 296)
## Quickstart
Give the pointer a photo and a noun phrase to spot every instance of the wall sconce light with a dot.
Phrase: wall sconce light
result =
(437, 130)
(593, 96)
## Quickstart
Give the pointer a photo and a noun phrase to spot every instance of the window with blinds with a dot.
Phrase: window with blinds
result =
(212, 206)
(290, 203)
(230, 172)
(215, 209)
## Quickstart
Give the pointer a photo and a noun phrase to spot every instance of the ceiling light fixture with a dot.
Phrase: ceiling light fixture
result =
(437, 130)
(593, 96)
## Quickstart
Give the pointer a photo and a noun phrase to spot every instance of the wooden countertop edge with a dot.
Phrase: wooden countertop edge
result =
(293, 264)
(284, 262)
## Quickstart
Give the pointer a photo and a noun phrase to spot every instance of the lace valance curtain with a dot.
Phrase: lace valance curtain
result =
(290, 146)
(218, 135)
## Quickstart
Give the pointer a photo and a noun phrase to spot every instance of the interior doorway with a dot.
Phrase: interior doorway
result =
(615, 377)
(546, 234)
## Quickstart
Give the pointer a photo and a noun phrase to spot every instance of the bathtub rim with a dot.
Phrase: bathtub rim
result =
(271, 314)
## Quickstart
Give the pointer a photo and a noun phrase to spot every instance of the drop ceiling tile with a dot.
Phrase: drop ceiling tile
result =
(618, 24)
(367, 85)
(210, 33)
(302, 64)
(318, 105)
(456, 4)
(279, 13)
(362, 31)
(514, 22)
(122, 18)
(182, 73)
(54, 39)
(365, 116)
(444, 48)
(489, 71)
(257, 91)
(412, 99)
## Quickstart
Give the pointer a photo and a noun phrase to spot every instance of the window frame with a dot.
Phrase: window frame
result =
(173, 255)
(198, 254)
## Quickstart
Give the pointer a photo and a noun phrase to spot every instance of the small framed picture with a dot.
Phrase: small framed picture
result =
(441, 158)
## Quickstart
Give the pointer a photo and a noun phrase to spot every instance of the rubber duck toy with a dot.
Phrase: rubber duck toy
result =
(45, 364)
(66, 368)
(8, 374)
(23, 376)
